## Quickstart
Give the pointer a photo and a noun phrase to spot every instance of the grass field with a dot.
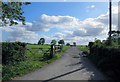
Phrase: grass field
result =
(38, 46)
(32, 62)
(83, 48)
(34, 53)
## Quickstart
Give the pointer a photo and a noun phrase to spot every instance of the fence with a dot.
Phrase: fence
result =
(46, 53)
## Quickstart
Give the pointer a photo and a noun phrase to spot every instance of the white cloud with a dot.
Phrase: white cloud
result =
(71, 28)
(19, 33)
(7, 29)
(90, 26)
(92, 6)
(46, 22)
(59, 35)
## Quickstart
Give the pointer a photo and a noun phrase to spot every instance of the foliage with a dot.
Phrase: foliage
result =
(53, 42)
(115, 37)
(12, 12)
(61, 42)
(106, 57)
(33, 61)
(97, 43)
(19, 69)
(41, 41)
(13, 52)
(68, 44)
(74, 43)
(84, 48)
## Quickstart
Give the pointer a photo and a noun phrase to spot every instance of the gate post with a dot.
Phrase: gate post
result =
(51, 52)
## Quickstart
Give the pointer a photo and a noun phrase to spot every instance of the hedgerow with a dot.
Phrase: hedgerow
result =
(13, 52)
(106, 58)
(20, 59)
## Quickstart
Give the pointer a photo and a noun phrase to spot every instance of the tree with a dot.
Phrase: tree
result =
(116, 36)
(41, 41)
(68, 44)
(61, 42)
(53, 42)
(74, 43)
(97, 43)
(12, 12)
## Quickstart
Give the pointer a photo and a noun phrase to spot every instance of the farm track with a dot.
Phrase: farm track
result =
(72, 66)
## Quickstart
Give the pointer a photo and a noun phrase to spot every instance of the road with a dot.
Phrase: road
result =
(72, 66)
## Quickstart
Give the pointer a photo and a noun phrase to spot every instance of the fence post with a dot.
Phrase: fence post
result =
(51, 52)
(90, 47)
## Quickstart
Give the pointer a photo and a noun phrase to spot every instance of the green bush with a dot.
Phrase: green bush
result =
(35, 60)
(13, 52)
(107, 58)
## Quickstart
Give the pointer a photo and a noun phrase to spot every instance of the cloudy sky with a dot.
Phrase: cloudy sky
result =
(79, 22)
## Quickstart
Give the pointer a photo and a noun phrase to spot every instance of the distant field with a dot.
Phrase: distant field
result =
(83, 48)
(38, 46)
(34, 53)
(65, 48)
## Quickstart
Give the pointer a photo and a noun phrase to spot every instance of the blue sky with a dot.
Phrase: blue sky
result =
(72, 21)
(80, 10)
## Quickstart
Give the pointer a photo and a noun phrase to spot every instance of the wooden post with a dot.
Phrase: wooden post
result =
(119, 16)
(51, 52)
(118, 22)
(110, 20)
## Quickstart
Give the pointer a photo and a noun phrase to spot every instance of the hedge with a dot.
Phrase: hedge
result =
(107, 59)
(13, 52)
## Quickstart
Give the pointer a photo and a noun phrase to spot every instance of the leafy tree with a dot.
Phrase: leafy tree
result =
(74, 43)
(61, 42)
(53, 42)
(12, 12)
(98, 43)
(68, 44)
(41, 41)
(116, 36)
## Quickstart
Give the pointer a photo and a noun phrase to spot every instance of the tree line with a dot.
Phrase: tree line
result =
(54, 42)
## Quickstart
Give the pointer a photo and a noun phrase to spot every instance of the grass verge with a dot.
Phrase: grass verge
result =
(9, 72)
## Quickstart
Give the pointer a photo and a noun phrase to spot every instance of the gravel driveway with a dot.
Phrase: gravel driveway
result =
(70, 67)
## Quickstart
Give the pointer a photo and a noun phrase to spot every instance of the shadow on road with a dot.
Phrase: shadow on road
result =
(63, 75)
(74, 64)
(90, 67)
(95, 74)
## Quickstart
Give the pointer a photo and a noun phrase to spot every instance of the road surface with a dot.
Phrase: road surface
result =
(72, 66)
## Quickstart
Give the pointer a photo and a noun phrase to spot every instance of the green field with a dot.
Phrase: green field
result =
(38, 46)
(83, 48)
(33, 61)
(34, 53)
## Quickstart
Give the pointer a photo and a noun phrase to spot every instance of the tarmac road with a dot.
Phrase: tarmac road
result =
(72, 66)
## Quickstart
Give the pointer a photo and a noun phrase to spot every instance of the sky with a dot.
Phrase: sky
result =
(79, 22)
